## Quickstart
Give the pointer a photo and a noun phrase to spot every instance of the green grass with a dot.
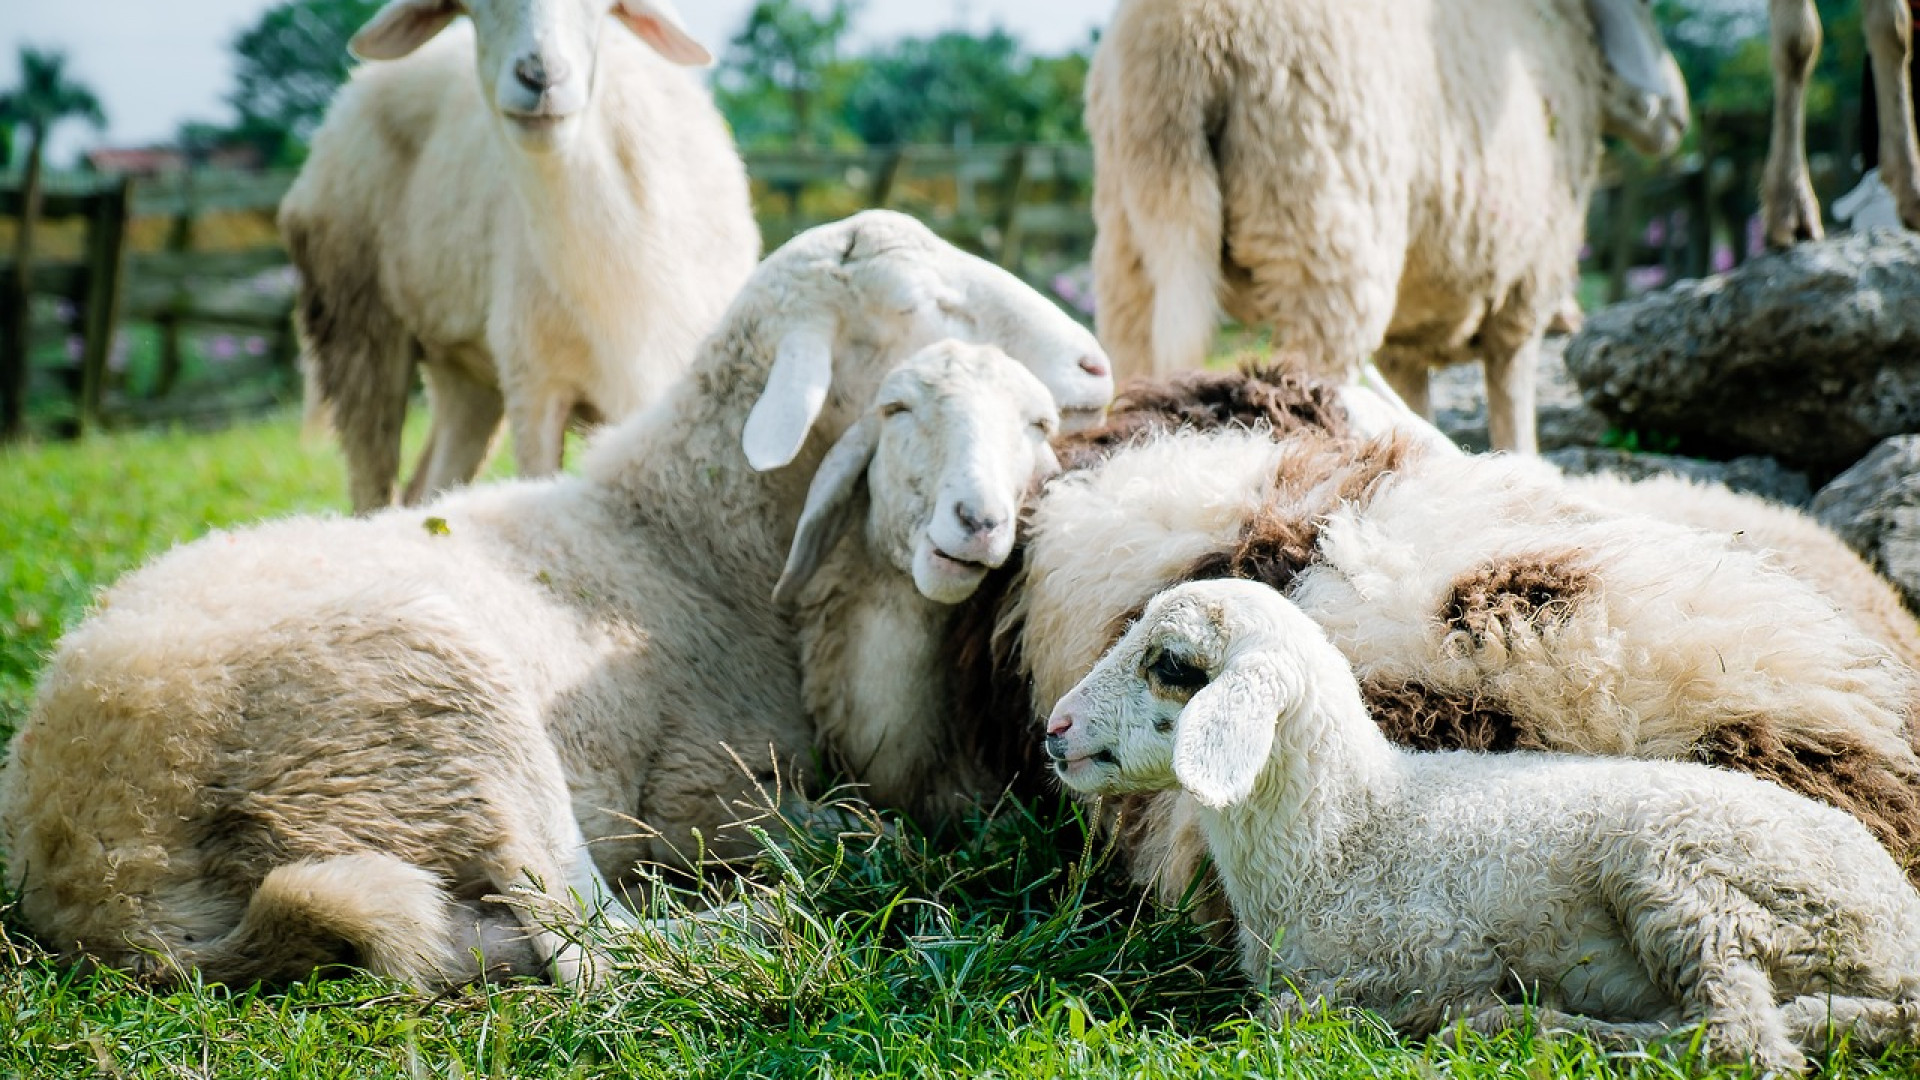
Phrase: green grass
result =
(1009, 948)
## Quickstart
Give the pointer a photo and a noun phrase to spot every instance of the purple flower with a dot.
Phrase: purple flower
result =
(1722, 258)
(223, 347)
(256, 345)
(1645, 278)
(76, 346)
(64, 310)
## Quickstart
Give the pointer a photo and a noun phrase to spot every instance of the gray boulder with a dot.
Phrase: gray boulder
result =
(1875, 507)
(1810, 355)
(1754, 475)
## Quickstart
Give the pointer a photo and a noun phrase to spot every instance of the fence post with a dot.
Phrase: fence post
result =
(179, 241)
(1623, 226)
(16, 343)
(106, 266)
(884, 177)
(1013, 189)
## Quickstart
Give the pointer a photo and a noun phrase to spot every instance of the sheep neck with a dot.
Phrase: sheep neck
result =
(1328, 771)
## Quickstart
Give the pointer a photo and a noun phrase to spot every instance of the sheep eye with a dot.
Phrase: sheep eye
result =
(1176, 673)
(1044, 426)
(893, 408)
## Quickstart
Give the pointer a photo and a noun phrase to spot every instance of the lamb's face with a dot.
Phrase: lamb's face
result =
(962, 439)
(1191, 695)
(535, 58)
(1644, 97)
(1114, 731)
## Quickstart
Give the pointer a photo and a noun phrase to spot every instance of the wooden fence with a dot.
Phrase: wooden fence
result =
(190, 254)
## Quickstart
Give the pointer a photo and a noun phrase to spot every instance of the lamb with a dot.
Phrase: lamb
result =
(1622, 899)
(1485, 602)
(1259, 157)
(326, 739)
(549, 241)
(1789, 212)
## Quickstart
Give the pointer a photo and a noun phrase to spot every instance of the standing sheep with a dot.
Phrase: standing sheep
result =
(1365, 176)
(1623, 899)
(549, 240)
(1788, 209)
(326, 739)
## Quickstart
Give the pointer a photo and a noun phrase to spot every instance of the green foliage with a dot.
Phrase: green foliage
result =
(781, 79)
(929, 90)
(1636, 441)
(286, 69)
(46, 95)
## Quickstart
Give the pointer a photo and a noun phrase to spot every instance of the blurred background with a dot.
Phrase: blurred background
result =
(160, 137)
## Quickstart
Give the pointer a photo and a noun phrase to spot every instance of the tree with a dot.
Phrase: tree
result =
(287, 68)
(781, 76)
(44, 98)
(934, 89)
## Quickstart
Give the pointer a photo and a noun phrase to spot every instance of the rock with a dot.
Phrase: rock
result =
(1562, 418)
(1754, 475)
(1811, 355)
(1875, 507)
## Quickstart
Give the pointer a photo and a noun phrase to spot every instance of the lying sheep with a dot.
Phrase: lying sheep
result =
(875, 609)
(550, 240)
(1259, 157)
(1789, 212)
(1619, 899)
(326, 739)
(1486, 603)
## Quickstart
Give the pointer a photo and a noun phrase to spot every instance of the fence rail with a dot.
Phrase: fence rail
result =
(144, 253)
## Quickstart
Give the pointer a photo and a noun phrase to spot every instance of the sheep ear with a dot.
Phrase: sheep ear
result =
(830, 507)
(1225, 734)
(796, 391)
(401, 27)
(657, 23)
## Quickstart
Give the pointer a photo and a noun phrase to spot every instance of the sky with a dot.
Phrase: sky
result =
(156, 63)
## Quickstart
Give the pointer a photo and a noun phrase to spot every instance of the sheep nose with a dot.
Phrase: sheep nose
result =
(1057, 747)
(1057, 724)
(538, 75)
(975, 520)
(1095, 366)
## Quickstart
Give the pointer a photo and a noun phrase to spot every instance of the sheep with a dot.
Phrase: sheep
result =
(320, 739)
(1487, 604)
(1789, 212)
(549, 241)
(875, 611)
(1259, 157)
(1621, 899)
(1784, 536)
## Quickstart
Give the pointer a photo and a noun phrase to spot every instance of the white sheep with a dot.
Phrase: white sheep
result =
(1621, 899)
(321, 739)
(875, 610)
(1262, 158)
(550, 240)
(1789, 211)
(1483, 602)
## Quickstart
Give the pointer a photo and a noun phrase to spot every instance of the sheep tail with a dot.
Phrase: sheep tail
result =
(372, 910)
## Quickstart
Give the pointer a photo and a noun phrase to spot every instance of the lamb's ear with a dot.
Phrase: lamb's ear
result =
(830, 508)
(657, 23)
(1224, 735)
(796, 391)
(401, 27)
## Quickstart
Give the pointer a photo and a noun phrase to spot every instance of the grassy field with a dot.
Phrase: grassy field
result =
(1009, 948)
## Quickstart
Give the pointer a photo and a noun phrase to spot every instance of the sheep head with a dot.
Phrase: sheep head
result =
(1189, 697)
(859, 295)
(1645, 98)
(535, 57)
(954, 440)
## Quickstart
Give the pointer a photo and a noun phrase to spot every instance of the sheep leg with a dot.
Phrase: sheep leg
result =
(1889, 30)
(538, 417)
(1510, 376)
(1123, 306)
(1788, 208)
(466, 415)
(1410, 378)
(1608, 1035)
(1818, 1022)
(368, 418)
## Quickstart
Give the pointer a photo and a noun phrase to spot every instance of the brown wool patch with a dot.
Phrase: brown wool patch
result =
(1537, 589)
(1839, 771)
(1422, 718)
(1255, 395)
(993, 698)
